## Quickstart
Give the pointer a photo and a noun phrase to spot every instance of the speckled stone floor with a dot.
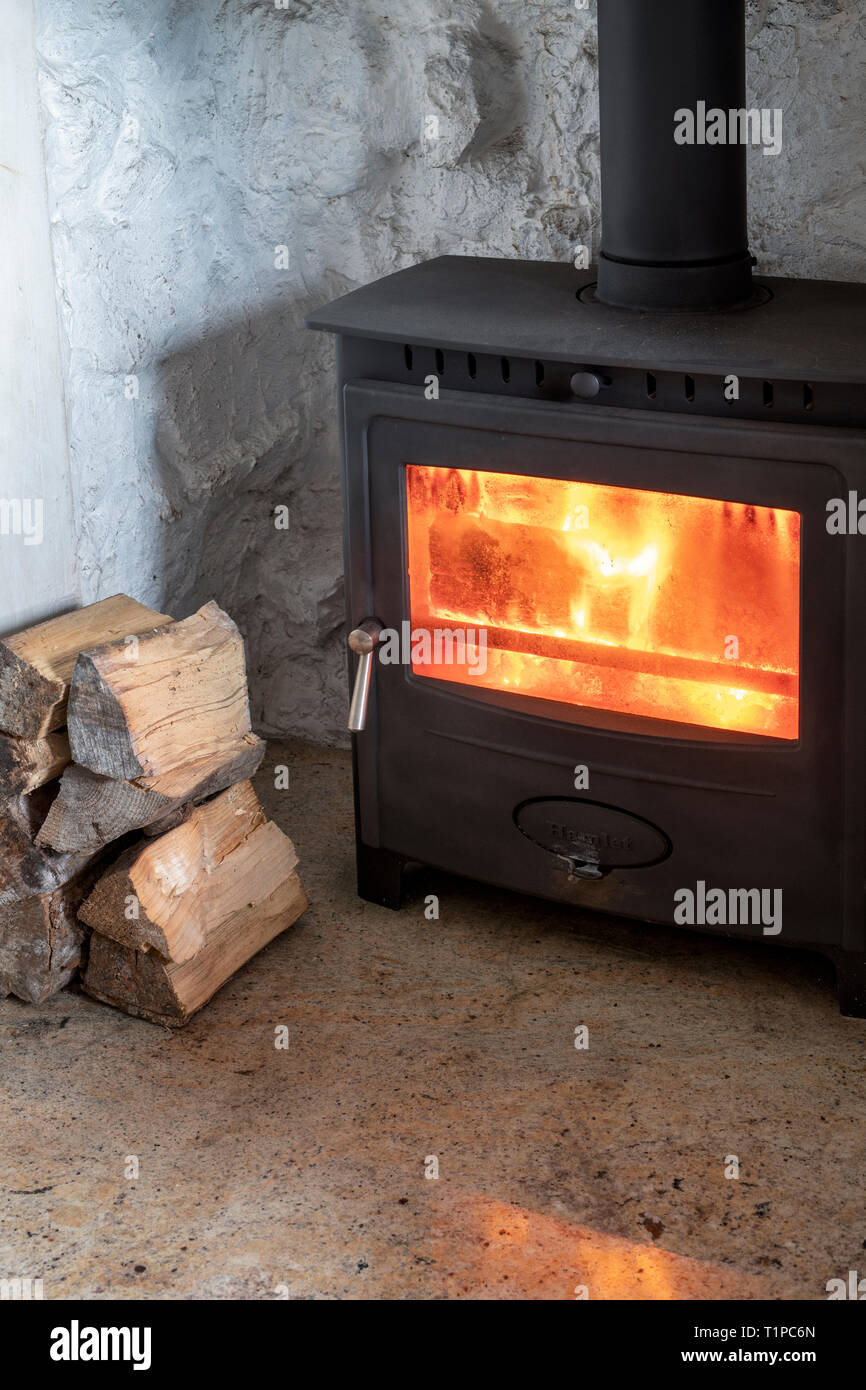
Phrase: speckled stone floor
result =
(300, 1172)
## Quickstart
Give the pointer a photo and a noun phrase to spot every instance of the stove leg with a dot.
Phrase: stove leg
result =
(851, 983)
(379, 876)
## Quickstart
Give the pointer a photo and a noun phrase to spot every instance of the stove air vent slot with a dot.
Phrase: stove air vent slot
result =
(633, 387)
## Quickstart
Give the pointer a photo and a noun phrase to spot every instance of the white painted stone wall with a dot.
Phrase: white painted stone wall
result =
(37, 537)
(186, 142)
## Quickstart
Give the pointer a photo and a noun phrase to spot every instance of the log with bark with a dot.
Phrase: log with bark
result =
(27, 869)
(36, 665)
(174, 918)
(169, 895)
(146, 716)
(148, 986)
(41, 940)
(91, 810)
(159, 733)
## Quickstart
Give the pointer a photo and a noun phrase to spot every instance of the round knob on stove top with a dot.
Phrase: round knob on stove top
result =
(585, 384)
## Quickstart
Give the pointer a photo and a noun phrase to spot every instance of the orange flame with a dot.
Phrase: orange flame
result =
(653, 604)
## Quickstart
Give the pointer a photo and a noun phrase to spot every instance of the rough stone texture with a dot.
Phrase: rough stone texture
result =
(186, 142)
(299, 1172)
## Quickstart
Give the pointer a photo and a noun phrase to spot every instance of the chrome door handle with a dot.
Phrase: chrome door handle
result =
(363, 640)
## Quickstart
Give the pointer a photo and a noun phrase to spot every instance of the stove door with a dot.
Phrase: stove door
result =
(634, 612)
(655, 604)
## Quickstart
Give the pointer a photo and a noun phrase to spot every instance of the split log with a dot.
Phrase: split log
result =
(36, 665)
(91, 810)
(146, 985)
(41, 940)
(170, 895)
(183, 697)
(28, 763)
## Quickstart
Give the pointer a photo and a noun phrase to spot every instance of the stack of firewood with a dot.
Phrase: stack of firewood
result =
(126, 808)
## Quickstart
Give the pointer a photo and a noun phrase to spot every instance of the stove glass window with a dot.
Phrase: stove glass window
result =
(645, 603)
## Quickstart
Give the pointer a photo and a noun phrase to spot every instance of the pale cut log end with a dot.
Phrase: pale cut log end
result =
(147, 986)
(170, 894)
(36, 664)
(178, 695)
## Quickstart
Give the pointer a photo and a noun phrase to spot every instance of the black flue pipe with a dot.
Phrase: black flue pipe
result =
(674, 234)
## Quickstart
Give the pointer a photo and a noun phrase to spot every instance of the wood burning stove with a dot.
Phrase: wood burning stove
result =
(607, 496)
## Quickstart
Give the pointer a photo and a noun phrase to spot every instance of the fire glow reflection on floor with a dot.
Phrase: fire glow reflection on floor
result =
(490, 1249)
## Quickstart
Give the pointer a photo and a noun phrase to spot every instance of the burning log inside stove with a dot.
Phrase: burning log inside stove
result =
(538, 580)
(614, 658)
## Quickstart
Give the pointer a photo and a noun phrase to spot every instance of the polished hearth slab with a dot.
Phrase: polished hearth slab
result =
(409, 1038)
